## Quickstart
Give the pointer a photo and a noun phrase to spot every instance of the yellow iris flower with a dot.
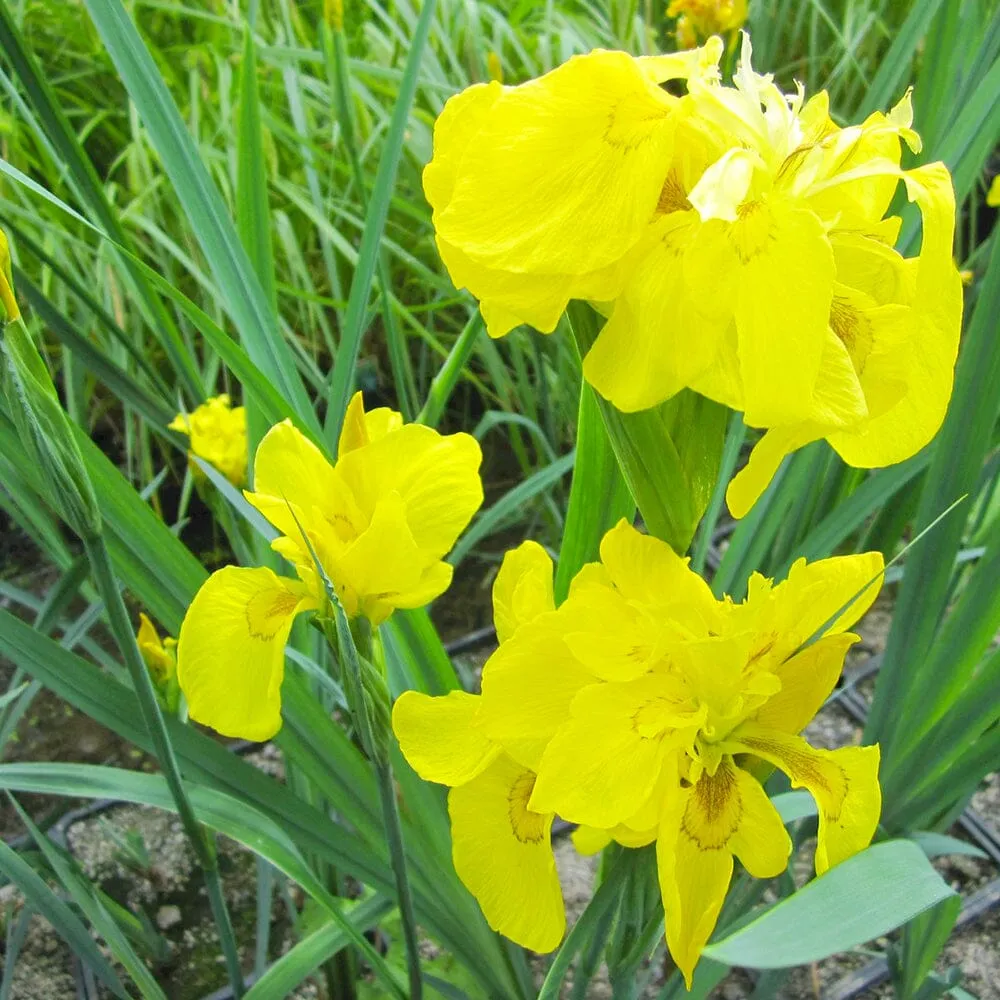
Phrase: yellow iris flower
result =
(218, 435)
(700, 19)
(379, 521)
(735, 237)
(502, 849)
(639, 708)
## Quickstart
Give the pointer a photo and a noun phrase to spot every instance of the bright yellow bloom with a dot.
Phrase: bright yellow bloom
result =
(735, 237)
(218, 435)
(502, 849)
(379, 521)
(642, 705)
(542, 192)
(698, 20)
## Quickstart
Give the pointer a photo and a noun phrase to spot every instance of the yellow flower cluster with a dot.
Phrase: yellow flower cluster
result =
(379, 521)
(218, 435)
(643, 708)
(736, 238)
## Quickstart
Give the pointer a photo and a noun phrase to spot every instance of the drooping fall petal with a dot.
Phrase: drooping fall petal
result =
(231, 650)
(503, 853)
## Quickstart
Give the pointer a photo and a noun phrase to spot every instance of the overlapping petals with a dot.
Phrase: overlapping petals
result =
(378, 522)
(642, 708)
(735, 237)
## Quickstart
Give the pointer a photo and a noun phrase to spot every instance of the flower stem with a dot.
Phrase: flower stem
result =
(394, 835)
(203, 846)
(369, 704)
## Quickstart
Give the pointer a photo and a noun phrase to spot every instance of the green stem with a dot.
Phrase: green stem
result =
(444, 382)
(347, 640)
(394, 835)
(121, 627)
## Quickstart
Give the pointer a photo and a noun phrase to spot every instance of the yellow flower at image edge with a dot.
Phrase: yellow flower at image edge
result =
(218, 435)
(379, 520)
(640, 709)
(735, 237)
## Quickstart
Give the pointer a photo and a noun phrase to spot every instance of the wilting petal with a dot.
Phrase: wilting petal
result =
(806, 682)
(503, 853)
(523, 588)
(441, 738)
(843, 782)
(564, 175)
(604, 763)
(437, 478)
(231, 650)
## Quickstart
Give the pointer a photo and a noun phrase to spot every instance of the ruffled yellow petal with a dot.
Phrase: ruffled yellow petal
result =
(523, 588)
(503, 853)
(605, 762)
(436, 476)
(844, 784)
(231, 650)
(645, 353)
(528, 685)
(295, 485)
(782, 310)
(814, 591)
(384, 564)
(806, 682)
(441, 738)
(510, 298)
(462, 117)
(651, 575)
(564, 174)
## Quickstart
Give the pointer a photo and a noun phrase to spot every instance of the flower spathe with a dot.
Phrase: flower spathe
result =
(218, 435)
(639, 708)
(379, 521)
(735, 236)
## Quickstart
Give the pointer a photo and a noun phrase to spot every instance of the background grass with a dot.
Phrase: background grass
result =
(227, 198)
